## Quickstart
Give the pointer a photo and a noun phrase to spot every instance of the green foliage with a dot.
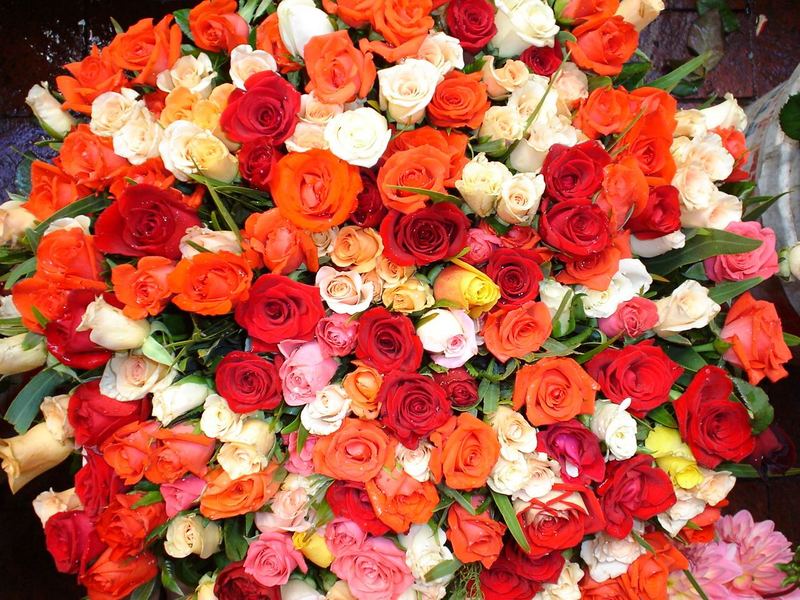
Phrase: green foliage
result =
(790, 117)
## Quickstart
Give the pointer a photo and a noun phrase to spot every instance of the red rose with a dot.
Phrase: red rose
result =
(574, 172)
(433, 233)
(774, 452)
(96, 484)
(472, 22)
(502, 582)
(125, 528)
(641, 372)
(412, 405)
(388, 341)
(634, 489)
(350, 500)
(575, 228)
(70, 347)
(542, 569)
(576, 449)
(715, 427)
(248, 382)
(460, 387)
(110, 580)
(517, 273)
(279, 309)
(72, 541)
(234, 583)
(144, 221)
(95, 416)
(267, 109)
(734, 142)
(370, 209)
(661, 214)
(256, 159)
(543, 61)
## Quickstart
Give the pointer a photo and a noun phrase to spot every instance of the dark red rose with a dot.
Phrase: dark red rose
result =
(124, 528)
(388, 341)
(774, 453)
(370, 209)
(641, 372)
(542, 569)
(233, 583)
(70, 347)
(144, 221)
(267, 109)
(634, 489)
(350, 500)
(96, 484)
(472, 22)
(256, 159)
(95, 416)
(412, 405)
(576, 449)
(279, 309)
(661, 215)
(460, 387)
(433, 233)
(502, 582)
(575, 228)
(248, 382)
(517, 273)
(72, 540)
(715, 427)
(543, 61)
(574, 172)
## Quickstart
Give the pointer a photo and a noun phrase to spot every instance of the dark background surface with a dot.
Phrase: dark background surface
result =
(38, 36)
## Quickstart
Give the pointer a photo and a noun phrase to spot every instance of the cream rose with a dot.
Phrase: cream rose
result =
(192, 534)
(195, 73)
(53, 119)
(65, 224)
(14, 220)
(416, 463)
(340, 591)
(523, 23)
(326, 412)
(722, 210)
(391, 273)
(695, 187)
(566, 588)
(179, 398)
(307, 136)
(501, 82)
(725, 114)
(524, 478)
(50, 503)
(298, 22)
(357, 248)
(312, 110)
(111, 329)
(324, 240)
(298, 589)
(481, 184)
(553, 294)
(27, 456)
(111, 110)
(715, 487)
(449, 335)
(520, 197)
(609, 557)
(515, 434)
(425, 548)
(187, 149)
(640, 13)
(17, 357)
(255, 432)
(344, 291)
(54, 411)
(571, 86)
(131, 376)
(8, 309)
(612, 424)
(502, 123)
(238, 459)
(288, 510)
(139, 138)
(359, 137)
(245, 61)
(410, 296)
(690, 123)
(529, 154)
(405, 90)
(679, 514)
(708, 153)
(205, 588)
(442, 51)
(219, 421)
(689, 307)
(213, 241)
(535, 96)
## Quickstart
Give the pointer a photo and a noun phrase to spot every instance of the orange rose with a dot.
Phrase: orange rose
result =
(315, 190)
(606, 111)
(152, 172)
(400, 21)
(225, 497)
(474, 537)
(146, 49)
(210, 283)
(604, 44)
(516, 330)
(68, 258)
(90, 77)
(585, 9)
(399, 500)
(657, 108)
(49, 298)
(268, 39)
(702, 530)
(422, 167)
(357, 451)
(469, 454)
(125, 528)
(337, 71)
(177, 451)
(646, 578)
(51, 190)
(454, 144)
(554, 389)
(89, 159)
(610, 589)
(273, 240)
(625, 191)
(654, 157)
(362, 387)
(107, 579)
(460, 100)
(143, 289)
(128, 450)
(596, 270)
(355, 13)
(216, 27)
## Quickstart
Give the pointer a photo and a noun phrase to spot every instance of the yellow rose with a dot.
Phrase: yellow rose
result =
(29, 455)
(313, 547)
(674, 456)
(467, 287)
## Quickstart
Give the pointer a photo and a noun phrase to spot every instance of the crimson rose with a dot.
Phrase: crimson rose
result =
(541, 569)
(576, 449)
(248, 382)
(267, 109)
(256, 159)
(516, 272)
(96, 484)
(370, 209)
(72, 540)
(661, 214)
(144, 221)
(388, 341)
(503, 582)
(460, 387)
(574, 172)
(233, 583)
(412, 405)
(575, 228)
(95, 416)
(74, 348)
(350, 500)
(433, 233)
(543, 61)
(472, 22)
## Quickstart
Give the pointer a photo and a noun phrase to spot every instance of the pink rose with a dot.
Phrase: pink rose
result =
(337, 334)
(305, 371)
(272, 558)
(300, 463)
(761, 262)
(342, 535)
(288, 510)
(632, 318)
(375, 570)
(182, 494)
(481, 244)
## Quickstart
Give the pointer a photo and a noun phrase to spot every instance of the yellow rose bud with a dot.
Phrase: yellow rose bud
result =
(467, 287)
(665, 441)
(683, 472)
(29, 455)
(313, 547)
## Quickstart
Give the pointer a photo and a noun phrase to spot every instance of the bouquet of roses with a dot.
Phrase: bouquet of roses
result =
(388, 300)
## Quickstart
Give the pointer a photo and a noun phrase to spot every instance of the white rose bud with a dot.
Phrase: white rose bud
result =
(344, 292)
(359, 136)
(502, 123)
(405, 90)
(726, 114)
(15, 357)
(481, 184)
(515, 434)
(520, 197)
(111, 329)
(254, 432)
(442, 51)
(66, 223)
(521, 24)
(324, 414)
(416, 463)
(205, 588)
(54, 411)
(425, 548)
(8, 309)
(129, 376)
(552, 293)
(722, 210)
(50, 503)
(632, 279)
(501, 82)
(793, 258)
(195, 73)
(213, 241)
(566, 588)
(298, 22)
(658, 246)
(640, 13)
(298, 589)
(609, 557)
(690, 123)
(571, 85)
(246, 62)
(14, 220)
(612, 424)
(54, 120)
(192, 534)
(179, 398)
(535, 96)
(689, 307)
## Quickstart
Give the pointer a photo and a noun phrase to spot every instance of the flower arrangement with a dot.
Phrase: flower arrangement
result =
(392, 300)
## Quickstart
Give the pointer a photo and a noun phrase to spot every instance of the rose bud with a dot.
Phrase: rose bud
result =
(49, 503)
(53, 119)
(14, 220)
(640, 13)
(111, 329)
(15, 357)
(179, 398)
(27, 456)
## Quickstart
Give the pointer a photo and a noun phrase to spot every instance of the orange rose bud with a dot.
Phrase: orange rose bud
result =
(474, 537)
(357, 451)
(68, 258)
(624, 192)
(399, 500)
(146, 49)
(460, 100)
(225, 497)
(604, 44)
(210, 283)
(516, 330)
(51, 190)
(268, 39)
(422, 167)
(338, 72)
(274, 241)
(554, 389)
(143, 289)
(216, 27)
(362, 387)
(469, 454)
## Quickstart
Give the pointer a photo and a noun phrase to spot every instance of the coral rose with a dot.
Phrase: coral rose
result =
(606, 111)
(469, 454)
(89, 78)
(146, 49)
(177, 451)
(357, 451)
(216, 26)
(210, 283)
(108, 579)
(515, 330)
(399, 500)
(338, 72)
(460, 100)
(453, 143)
(400, 21)
(423, 167)
(225, 497)
(604, 44)
(143, 289)
(474, 537)
(69, 258)
(89, 159)
(51, 190)
(273, 240)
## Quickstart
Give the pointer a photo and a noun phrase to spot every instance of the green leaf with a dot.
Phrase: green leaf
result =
(84, 206)
(25, 406)
(234, 540)
(302, 436)
(686, 356)
(435, 196)
(506, 509)
(443, 569)
(643, 542)
(757, 402)
(758, 205)
(672, 79)
(723, 292)
(489, 393)
(663, 417)
(144, 591)
(182, 19)
(790, 117)
(589, 355)
(253, 9)
(156, 352)
(22, 176)
(729, 21)
(705, 244)
(565, 36)
(790, 339)
(220, 206)
(599, 81)
(168, 579)
(462, 500)
(632, 75)
(149, 498)
(20, 271)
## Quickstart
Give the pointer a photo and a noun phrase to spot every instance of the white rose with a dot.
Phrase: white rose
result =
(405, 90)
(298, 22)
(502, 123)
(695, 187)
(442, 51)
(14, 220)
(192, 534)
(297, 589)
(449, 335)
(708, 152)
(54, 411)
(542, 476)
(254, 432)
(111, 110)
(715, 487)
(722, 210)
(111, 329)
(608, 557)
(129, 376)
(218, 420)
(525, 477)
(425, 548)
(195, 73)
(515, 434)
(612, 424)
(238, 460)
(523, 23)
(325, 413)
(139, 138)
(344, 292)
(520, 197)
(689, 307)
(359, 136)
(50, 503)
(213, 241)
(307, 136)
(8, 309)
(501, 82)
(687, 507)
(690, 123)
(631, 279)
(54, 120)
(481, 184)
(245, 61)
(658, 246)
(205, 588)
(571, 85)
(179, 398)
(535, 96)
(529, 154)
(187, 149)
(553, 293)
(566, 588)
(640, 13)
(793, 258)
(416, 463)
(312, 110)
(16, 357)
(725, 114)
(66, 223)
